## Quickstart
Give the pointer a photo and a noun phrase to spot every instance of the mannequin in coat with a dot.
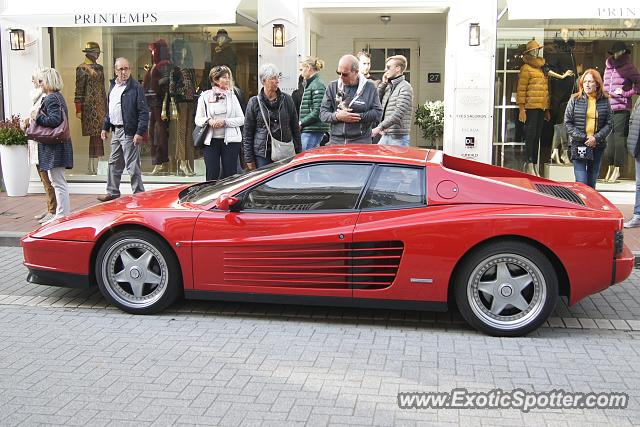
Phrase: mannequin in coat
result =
(533, 101)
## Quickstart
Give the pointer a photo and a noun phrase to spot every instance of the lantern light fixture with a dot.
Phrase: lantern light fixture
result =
(278, 35)
(16, 39)
(474, 34)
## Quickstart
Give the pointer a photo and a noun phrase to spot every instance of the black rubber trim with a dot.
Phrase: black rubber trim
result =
(56, 278)
(313, 300)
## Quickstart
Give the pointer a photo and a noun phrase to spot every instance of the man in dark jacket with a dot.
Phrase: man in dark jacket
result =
(128, 118)
(351, 105)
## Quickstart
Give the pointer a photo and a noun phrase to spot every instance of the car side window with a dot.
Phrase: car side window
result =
(395, 186)
(326, 186)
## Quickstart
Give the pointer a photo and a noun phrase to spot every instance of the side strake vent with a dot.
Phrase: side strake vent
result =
(366, 265)
(560, 192)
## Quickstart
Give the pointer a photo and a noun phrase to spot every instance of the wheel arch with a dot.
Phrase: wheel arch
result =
(564, 288)
(117, 229)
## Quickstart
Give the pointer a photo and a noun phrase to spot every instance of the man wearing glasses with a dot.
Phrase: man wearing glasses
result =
(350, 104)
(128, 117)
(397, 95)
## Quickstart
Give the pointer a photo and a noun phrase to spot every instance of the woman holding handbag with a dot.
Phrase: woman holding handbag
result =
(55, 158)
(220, 109)
(271, 125)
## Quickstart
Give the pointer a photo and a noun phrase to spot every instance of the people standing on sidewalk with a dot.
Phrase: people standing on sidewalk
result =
(36, 96)
(271, 109)
(621, 81)
(55, 158)
(396, 96)
(220, 109)
(588, 119)
(312, 128)
(350, 105)
(127, 117)
(633, 146)
(364, 65)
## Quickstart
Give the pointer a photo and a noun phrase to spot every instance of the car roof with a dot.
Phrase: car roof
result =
(368, 153)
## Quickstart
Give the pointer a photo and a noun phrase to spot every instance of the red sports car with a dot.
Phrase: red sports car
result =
(365, 226)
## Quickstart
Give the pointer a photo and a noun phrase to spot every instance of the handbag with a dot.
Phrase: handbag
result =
(199, 134)
(48, 135)
(279, 149)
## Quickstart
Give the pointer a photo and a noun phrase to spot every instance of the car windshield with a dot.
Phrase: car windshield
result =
(205, 192)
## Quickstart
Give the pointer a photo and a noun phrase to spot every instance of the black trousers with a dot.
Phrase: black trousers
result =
(219, 152)
(617, 140)
(532, 133)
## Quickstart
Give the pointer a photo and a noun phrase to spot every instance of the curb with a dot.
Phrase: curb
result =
(12, 239)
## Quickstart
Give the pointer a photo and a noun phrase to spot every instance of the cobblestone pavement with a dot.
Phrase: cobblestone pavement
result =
(68, 358)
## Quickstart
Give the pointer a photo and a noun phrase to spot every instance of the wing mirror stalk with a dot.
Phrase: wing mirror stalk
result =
(225, 202)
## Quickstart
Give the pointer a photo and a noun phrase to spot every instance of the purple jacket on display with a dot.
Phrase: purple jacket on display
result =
(621, 73)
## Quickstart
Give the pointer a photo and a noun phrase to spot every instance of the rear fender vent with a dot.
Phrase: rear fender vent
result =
(560, 192)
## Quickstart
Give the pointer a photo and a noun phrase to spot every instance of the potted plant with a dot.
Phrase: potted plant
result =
(14, 157)
(430, 118)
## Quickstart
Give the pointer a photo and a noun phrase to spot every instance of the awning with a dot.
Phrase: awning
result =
(119, 13)
(583, 9)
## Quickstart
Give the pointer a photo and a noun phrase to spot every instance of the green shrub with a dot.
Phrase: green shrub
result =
(11, 132)
(430, 118)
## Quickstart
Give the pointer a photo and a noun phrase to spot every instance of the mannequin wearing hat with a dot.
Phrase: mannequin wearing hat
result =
(156, 86)
(182, 88)
(621, 81)
(222, 53)
(533, 101)
(91, 102)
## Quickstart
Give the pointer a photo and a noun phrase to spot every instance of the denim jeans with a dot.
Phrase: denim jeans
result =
(587, 172)
(262, 161)
(395, 140)
(310, 140)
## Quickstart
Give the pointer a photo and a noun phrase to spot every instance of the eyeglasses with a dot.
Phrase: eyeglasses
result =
(123, 69)
(388, 67)
(347, 74)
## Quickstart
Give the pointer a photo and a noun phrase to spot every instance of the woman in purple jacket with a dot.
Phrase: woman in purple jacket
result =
(621, 81)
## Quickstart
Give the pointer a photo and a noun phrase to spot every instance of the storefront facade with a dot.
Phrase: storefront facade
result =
(574, 37)
(444, 63)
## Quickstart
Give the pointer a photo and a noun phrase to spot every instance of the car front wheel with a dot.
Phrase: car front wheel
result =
(138, 272)
(506, 288)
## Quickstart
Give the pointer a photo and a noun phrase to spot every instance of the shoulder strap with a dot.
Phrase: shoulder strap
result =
(263, 116)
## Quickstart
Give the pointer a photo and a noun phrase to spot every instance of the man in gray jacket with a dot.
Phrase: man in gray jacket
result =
(397, 96)
(350, 104)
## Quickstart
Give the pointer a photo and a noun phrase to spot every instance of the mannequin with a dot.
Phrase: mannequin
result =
(222, 53)
(533, 101)
(621, 81)
(91, 102)
(560, 90)
(182, 87)
(156, 86)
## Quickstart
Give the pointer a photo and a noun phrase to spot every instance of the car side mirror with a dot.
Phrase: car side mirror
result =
(225, 202)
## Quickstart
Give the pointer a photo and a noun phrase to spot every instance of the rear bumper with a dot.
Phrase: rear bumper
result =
(623, 265)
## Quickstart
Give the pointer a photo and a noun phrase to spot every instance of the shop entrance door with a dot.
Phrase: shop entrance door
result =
(380, 50)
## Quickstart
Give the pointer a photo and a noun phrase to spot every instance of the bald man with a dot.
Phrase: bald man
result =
(351, 105)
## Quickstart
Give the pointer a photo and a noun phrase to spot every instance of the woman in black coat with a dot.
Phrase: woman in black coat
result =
(55, 158)
(281, 117)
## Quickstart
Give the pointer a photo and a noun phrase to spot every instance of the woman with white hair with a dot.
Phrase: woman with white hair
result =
(55, 158)
(270, 113)
(36, 96)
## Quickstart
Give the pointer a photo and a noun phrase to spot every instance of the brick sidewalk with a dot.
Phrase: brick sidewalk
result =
(16, 216)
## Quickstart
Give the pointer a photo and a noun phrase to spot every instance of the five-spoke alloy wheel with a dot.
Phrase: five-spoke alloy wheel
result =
(138, 272)
(506, 288)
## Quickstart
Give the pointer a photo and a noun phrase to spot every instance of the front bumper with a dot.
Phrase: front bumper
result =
(56, 278)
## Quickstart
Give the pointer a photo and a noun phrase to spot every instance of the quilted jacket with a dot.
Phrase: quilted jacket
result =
(575, 118)
(396, 109)
(310, 106)
(621, 73)
(533, 86)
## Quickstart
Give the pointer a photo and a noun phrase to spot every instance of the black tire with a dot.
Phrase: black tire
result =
(506, 288)
(138, 272)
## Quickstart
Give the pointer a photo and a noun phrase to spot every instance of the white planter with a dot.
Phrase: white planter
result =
(15, 169)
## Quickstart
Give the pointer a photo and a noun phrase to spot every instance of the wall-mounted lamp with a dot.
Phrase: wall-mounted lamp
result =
(385, 19)
(474, 34)
(278, 35)
(16, 38)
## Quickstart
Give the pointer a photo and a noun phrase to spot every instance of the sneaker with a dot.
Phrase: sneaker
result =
(633, 222)
(46, 218)
(53, 218)
(40, 215)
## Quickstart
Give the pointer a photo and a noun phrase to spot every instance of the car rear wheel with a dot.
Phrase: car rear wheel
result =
(138, 272)
(506, 288)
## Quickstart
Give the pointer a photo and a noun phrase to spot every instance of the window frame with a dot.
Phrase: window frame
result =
(242, 195)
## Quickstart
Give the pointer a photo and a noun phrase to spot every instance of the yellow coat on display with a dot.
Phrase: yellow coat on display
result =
(533, 84)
